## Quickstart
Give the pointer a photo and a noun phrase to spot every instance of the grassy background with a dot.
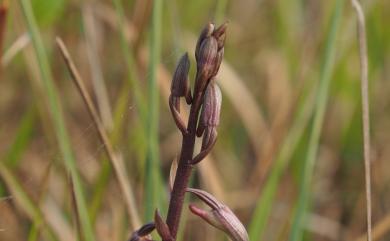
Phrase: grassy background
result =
(289, 159)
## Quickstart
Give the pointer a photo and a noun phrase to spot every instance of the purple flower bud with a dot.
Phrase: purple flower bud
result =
(206, 63)
(206, 32)
(220, 216)
(209, 53)
(180, 82)
(211, 108)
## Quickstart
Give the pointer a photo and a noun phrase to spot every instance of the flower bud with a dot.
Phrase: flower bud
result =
(220, 216)
(206, 32)
(180, 83)
(206, 62)
(211, 108)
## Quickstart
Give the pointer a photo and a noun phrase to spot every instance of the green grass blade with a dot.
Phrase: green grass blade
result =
(264, 204)
(152, 160)
(320, 106)
(57, 117)
(24, 201)
(22, 138)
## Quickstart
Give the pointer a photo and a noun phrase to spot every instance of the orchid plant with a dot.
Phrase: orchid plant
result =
(205, 102)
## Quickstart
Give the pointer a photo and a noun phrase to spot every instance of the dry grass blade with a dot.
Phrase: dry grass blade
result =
(365, 107)
(20, 43)
(379, 230)
(117, 162)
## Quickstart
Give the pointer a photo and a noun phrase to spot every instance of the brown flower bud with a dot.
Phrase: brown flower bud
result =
(220, 216)
(142, 234)
(206, 32)
(180, 83)
(211, 108)
(206, 62)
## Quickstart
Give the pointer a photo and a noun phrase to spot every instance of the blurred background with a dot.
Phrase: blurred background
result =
(289, 158)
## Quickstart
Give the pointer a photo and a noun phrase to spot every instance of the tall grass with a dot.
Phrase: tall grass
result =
(314, 139)
(152, 190)
(57, 118)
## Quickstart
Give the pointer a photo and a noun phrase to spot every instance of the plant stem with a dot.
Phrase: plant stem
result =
(365, 109)
(184, 168)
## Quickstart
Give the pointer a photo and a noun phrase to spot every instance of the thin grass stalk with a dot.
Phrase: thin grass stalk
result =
(365, 108)
(152, 160)
(314, 139)
(18, 45)
(57, 117)
(117, 162)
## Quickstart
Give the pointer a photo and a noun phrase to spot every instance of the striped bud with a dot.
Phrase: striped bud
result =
(206, 32)
(220, 216)
(209, 53)
(180, 83)
(206, 63)
(211, 108)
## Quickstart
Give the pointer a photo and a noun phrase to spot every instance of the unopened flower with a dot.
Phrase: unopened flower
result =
(220, 216)
(180, 83)
(206, 63)
(209, 117)
(209, 52)
(206, 32)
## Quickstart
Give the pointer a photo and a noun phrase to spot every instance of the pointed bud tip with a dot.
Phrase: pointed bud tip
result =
(221, 29)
